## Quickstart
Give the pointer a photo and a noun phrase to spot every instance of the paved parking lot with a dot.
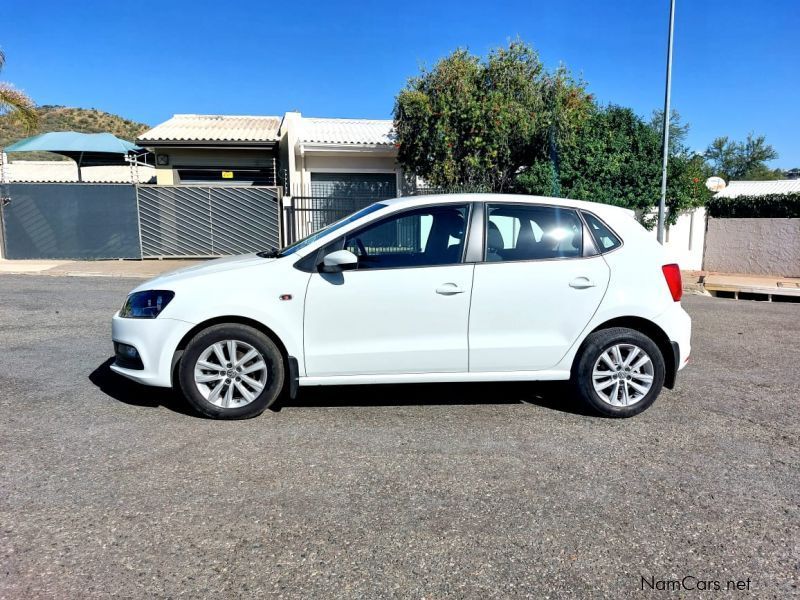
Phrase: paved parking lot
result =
(436, 491)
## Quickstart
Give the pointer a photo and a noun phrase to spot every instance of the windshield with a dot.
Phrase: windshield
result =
(332, 227)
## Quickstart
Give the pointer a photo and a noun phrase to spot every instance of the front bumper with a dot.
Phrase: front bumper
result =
(155, 340)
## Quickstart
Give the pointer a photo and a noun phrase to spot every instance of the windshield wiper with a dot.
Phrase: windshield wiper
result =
(271, 253)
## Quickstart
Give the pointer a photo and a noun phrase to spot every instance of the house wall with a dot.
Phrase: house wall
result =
(354, 162)
(217, 157)
(753, 246)
(67, 171)
(684, 241)
(288, 142)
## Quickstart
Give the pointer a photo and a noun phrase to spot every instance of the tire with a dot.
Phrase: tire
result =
(601, 364)
(206, 388)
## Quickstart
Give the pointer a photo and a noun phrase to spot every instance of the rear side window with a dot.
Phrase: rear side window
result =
(605, 239)
(525, 232)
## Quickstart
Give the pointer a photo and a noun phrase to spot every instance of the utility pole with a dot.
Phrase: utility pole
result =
(663, 201)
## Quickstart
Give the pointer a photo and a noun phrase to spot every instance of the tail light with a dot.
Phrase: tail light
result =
(672, 273)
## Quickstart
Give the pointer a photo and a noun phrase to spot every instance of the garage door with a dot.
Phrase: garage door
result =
(375, 186)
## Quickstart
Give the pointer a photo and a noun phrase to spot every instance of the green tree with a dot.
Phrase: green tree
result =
(746, 160)
(615, 158)
(612, 158)
(473, 122)
(686, 170)
(16, 103)
(507, 124)
(678, 130)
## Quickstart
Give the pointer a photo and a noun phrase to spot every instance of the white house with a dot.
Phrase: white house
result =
(339, 157)
(214, 149)
(306, 156)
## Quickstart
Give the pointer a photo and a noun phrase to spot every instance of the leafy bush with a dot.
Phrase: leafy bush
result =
(507, 124)
(755, 207)
(615, 158)
(475, 122)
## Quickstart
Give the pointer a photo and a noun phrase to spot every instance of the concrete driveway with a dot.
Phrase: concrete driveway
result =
(436, 491)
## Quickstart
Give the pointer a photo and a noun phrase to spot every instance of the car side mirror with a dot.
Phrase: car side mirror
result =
(341, 260)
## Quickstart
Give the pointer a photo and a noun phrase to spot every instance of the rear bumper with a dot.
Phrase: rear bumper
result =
(677, 324)
(672, 374)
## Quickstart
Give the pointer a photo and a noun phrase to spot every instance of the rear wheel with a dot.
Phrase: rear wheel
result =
(619, 372)
(231, 371)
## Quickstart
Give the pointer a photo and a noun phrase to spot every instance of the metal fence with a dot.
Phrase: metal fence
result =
(96, 221)
(307, 214)
(69, 220)
(184, 221)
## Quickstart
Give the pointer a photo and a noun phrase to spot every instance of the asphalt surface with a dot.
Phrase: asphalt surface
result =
(436, 491)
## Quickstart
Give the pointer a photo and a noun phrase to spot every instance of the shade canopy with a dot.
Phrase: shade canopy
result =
(87, 149)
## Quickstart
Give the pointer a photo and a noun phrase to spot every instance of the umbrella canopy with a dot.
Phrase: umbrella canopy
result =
(86, 149)
(73, 144)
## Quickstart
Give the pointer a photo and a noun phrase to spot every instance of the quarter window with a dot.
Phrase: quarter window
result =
(606, 239)
(422, 237)
(525, 232)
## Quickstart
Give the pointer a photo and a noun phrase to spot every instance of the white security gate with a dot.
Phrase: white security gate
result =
(190, 221)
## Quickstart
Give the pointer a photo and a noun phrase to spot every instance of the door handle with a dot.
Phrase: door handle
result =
(449, 289)
(581, 283)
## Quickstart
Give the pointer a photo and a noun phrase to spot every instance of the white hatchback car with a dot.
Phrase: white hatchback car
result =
(455, 288)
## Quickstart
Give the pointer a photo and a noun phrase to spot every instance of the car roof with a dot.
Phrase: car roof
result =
(423, 200)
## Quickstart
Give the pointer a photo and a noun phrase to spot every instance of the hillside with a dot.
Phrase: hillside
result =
(61, 118)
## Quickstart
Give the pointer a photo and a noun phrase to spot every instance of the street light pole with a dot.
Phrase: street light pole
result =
(662, 202)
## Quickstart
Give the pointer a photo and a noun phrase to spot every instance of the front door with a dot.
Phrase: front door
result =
(535, 292)
(405, 309)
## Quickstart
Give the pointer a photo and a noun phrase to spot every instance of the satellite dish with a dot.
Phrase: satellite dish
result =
(715, 184)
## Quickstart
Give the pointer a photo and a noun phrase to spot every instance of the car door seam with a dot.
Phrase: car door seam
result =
(469, 317)
(305, 305)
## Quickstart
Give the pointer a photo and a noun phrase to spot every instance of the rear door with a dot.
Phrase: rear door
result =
(535, 291)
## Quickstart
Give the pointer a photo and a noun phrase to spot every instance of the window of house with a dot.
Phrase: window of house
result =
(525, 232)
(223, 176)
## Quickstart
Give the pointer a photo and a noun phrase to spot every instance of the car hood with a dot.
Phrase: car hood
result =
(219, 265)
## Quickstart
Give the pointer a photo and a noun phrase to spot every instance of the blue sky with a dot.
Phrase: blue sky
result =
(735, 66)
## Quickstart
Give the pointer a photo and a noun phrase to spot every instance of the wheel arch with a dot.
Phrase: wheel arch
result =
(651, 330)
(224, 320)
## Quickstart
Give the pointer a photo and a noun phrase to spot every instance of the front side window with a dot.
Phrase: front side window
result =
(422, 237)
(526, 232)
(330, 228)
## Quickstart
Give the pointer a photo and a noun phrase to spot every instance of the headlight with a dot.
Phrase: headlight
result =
(146, 305)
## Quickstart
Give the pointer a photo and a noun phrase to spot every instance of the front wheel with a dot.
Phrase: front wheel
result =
(231, 371)
(619, 372)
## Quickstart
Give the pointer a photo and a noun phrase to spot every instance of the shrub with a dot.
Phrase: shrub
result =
(755, 207)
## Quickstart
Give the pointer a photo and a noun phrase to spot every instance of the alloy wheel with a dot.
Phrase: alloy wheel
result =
(230, 373)
(623, 375)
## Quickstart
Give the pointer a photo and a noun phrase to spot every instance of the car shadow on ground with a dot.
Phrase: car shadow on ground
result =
(554, 395)
(129, 392)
